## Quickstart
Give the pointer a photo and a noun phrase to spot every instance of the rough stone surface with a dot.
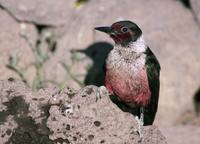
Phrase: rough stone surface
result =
(168, 35)
(182, 134)
(66, 116)
(12, 44)
(196, 9)
(174, 38)
(169, 29)
(46, 12)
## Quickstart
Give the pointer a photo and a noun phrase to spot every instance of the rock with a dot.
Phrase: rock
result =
(12, 44)
(196, 9)
(52, 115)
(46, 12)
(182, 134)
(173, 36)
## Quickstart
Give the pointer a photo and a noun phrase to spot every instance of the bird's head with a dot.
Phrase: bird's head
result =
(122, 32)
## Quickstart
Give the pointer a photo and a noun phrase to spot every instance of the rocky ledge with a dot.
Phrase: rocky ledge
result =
(67, 116)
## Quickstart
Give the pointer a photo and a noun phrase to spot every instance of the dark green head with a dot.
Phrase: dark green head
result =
(122, 32)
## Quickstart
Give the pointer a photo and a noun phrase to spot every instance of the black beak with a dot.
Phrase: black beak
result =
(107, 30)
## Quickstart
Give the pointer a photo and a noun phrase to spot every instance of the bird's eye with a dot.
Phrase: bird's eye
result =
(124, 29)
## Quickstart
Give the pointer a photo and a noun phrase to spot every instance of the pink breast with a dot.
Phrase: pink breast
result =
(129, 87)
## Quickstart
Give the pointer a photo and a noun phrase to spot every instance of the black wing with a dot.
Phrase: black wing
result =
(153, 74)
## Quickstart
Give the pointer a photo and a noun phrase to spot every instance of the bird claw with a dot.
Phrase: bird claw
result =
(102, 90)
(139, 130)
(98, 96)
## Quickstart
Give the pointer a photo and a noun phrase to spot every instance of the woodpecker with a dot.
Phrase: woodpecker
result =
(132, 71)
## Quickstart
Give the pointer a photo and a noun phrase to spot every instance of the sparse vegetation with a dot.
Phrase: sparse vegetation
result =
(43, 49)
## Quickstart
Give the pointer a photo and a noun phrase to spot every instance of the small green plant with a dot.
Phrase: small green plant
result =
(43, 49)
(41, 56)
(13, 65)
(80, 2)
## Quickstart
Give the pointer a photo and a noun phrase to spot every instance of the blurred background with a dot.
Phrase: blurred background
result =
(53, 43)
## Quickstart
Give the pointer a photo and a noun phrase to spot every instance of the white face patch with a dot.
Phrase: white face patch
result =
(139, 45)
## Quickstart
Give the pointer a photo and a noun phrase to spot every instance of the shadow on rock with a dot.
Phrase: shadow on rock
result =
(27, 131)
(196, 101)
(191, 116)
(98, 52)
(186, 3)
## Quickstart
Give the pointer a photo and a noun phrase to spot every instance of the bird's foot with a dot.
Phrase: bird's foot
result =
(102, 90)
(140, 126)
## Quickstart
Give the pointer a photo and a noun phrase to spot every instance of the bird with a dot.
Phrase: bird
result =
(132, 71)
